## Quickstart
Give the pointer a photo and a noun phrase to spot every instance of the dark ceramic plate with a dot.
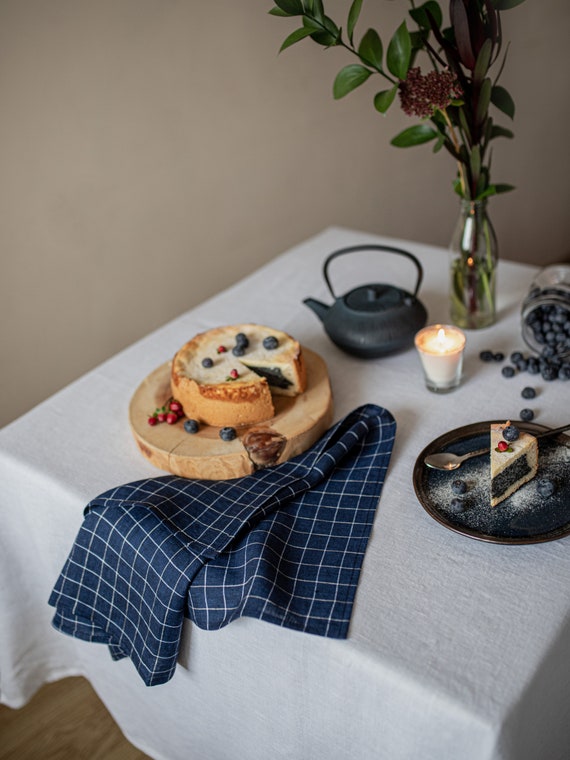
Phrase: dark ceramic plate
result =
(523, 518)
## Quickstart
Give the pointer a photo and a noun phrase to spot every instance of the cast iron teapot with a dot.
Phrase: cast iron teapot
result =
(371, 320)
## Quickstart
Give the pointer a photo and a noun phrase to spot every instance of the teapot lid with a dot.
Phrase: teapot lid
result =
(376, 298)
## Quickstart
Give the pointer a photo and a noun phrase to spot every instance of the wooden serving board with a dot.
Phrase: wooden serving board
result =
(298, 423)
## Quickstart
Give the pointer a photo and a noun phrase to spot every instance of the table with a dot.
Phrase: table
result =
(457, 648)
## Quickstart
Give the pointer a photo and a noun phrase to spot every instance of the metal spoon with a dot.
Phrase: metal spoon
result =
(446, 460)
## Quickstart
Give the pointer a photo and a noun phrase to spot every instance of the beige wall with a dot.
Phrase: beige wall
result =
(154, 151)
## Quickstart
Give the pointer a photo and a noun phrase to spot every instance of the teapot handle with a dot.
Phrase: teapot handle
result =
(373, 247)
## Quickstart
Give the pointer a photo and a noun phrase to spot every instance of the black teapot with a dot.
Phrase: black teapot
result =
(371, 320)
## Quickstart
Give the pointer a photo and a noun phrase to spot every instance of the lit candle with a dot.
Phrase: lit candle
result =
(440, 348)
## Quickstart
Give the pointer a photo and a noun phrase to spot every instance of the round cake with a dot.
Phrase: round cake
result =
(228, 375)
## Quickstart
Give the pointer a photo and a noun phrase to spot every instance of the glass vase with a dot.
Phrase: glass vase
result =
(474, 253)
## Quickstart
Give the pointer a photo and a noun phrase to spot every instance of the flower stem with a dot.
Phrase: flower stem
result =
(455, 141)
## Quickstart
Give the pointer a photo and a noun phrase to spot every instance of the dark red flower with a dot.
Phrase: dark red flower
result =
(421, 95)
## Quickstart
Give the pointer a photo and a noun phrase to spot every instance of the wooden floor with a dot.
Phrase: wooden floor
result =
(65, 720)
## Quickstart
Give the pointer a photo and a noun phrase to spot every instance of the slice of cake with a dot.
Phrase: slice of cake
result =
(514, 460)
(227, 376)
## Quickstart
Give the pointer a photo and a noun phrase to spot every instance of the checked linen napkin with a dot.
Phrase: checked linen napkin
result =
(284, 544)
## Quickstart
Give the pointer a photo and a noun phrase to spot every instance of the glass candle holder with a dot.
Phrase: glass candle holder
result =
(440, 348)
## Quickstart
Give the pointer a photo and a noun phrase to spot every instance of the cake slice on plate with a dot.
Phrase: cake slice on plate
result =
(514, 460)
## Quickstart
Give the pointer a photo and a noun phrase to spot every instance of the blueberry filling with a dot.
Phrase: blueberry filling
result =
(273, 375)
(511, 474)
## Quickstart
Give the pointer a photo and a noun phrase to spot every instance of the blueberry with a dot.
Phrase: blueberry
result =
(242, 340)
(545, 487)
(459, 486)
(486, 356)
(511, 433)
(564, 372)
(270, 343)
(498, 357)
(516, 356)
(207, 362)
(550, 337)
(508, 371)
(526, 415)
(549, 373)
(528, 392)
(227, 433)
(191, 426)
(238, 349)
(456, 504)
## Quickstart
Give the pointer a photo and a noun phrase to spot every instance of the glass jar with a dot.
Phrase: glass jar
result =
(545, 314)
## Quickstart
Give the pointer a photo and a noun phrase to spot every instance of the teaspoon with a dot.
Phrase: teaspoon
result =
(446, 460)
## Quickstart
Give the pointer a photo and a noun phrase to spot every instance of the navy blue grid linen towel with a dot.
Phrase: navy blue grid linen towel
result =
(284, 545)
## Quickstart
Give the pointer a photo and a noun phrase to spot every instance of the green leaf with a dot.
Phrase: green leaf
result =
(475, 161)
(503, 101)
(317, 9)
(483, 60)
(399, 52)
(464, 124)
(291, 7)
(483, 101)
(503, 188)
(416, 135)
(296, 36)
(498, 131)
(349, 78)
(495, 190)
(324, 32)
(439, 144)
(370, 49)
(383, 100)
(505, 5)
(353, 16)
(421, 17)
(279, 12)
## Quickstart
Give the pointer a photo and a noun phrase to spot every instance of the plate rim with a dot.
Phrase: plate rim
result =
(464, 431)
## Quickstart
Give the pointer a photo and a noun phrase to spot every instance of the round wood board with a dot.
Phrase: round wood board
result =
(298, 423)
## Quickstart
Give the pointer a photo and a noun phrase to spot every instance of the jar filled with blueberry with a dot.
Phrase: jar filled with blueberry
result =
(546, 313)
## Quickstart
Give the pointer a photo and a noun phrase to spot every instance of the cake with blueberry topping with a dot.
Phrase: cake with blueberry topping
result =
(228, 376)
(514, 460)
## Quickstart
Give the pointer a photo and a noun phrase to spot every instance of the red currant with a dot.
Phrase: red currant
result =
(175, 406)
(234, 374)
(152, 420)
(221, 349)
(161, 416)
(502, 445)
(171, 418)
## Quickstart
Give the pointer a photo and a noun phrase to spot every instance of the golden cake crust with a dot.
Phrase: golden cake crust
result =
(230, 392)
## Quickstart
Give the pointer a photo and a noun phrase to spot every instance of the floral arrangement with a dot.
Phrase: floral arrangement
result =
(452, 100)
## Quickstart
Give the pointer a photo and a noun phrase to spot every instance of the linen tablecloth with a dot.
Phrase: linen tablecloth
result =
(456, 649)
(284, 544)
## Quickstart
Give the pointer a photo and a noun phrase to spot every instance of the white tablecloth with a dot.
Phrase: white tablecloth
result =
(458, 649)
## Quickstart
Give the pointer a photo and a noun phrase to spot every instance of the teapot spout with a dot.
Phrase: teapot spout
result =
(319, 308)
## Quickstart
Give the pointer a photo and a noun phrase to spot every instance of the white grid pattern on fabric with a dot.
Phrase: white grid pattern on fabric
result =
(285, 544)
